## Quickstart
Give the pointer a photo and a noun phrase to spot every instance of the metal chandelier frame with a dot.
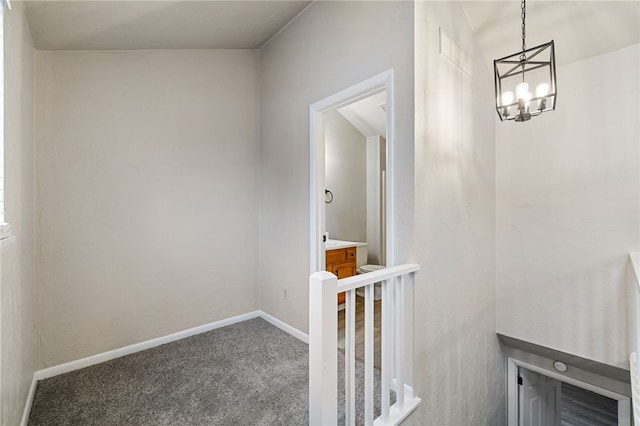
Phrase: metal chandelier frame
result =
(540, 59)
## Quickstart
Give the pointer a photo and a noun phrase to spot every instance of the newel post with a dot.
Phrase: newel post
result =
(323, 349)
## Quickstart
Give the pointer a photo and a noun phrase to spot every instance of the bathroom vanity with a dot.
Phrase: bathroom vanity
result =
(341, 258)
(342, 263)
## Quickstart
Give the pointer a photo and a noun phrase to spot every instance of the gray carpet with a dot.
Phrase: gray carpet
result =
(250, 373)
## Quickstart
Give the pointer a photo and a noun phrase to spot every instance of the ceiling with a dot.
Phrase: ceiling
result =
(168, 24)
(580, 29)
(367, 115)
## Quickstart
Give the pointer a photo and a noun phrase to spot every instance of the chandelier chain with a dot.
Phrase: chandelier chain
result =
(523, 16)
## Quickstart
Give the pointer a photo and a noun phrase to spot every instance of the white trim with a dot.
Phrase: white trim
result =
(624, 412)
(317, 211)
(284, 327)
(137, 347)
(148, 344)
(375, 84)
(29, 401)
(512, 393)
(624, 404)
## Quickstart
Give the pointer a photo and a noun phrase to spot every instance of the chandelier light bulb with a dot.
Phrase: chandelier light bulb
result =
(507, 97)
(521, 90)
(542, 90)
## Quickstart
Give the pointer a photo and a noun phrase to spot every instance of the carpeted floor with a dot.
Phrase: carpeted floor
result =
(250, 373)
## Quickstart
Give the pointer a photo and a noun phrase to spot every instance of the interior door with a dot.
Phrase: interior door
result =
(539, 399)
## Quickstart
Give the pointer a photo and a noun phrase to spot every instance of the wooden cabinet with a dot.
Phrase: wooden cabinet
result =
(342, 263)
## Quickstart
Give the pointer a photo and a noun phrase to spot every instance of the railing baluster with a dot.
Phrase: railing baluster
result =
(368, 353)
(350, 358)
(408, 330)
(385, 349)
(392, 330)
(399, 347)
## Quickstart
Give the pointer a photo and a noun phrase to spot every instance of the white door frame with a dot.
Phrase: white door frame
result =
(378, 83)
(624, 402)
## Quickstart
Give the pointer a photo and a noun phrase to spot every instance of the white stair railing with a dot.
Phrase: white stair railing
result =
(633, 357)
(396, 346)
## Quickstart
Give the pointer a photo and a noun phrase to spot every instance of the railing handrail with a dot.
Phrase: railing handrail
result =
(362, 280)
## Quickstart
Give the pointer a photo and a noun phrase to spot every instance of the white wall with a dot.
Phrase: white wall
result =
(346, 178)
(18, 342)
(458, 363)
(376, 229)
(331, 46)
(147, 195)
(568, 190)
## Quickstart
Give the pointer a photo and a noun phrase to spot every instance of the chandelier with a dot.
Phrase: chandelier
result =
(534, 67)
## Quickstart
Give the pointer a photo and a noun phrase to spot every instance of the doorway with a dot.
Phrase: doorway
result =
(540, 397)
(379, 91)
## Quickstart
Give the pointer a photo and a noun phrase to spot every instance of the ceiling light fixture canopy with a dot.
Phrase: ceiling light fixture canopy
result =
(538, 65)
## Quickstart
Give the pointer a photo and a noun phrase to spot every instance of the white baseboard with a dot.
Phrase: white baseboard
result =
(29, 401)
(285, 327)
(68, 367)
(137, 347)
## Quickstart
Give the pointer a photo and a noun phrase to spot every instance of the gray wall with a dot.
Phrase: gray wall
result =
(17, 288)
(458, 364)
(147, 195)
(331, 46)
(346, 178)
(568, 203)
